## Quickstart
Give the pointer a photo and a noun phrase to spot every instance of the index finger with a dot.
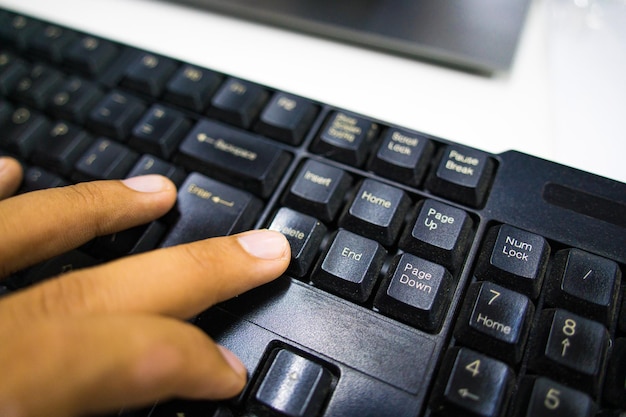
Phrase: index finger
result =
(179, 281)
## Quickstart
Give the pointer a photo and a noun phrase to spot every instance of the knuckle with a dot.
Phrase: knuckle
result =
(90, 198)
(201, 256)
(84, 194)
(63, 296)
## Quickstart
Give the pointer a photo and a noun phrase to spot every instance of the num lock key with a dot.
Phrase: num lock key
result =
(514, 258)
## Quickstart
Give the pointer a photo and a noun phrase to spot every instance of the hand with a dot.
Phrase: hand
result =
(113, 336)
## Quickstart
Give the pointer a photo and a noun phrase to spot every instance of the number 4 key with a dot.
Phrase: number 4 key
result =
(472, 384)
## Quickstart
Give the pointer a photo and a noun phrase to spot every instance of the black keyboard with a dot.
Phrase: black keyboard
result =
(427, 278)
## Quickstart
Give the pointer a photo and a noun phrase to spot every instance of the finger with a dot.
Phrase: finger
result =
(180, 281)
(10, 177)
(109, 362)
(39, 225)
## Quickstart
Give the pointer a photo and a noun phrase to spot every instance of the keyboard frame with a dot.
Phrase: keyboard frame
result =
(525, 191)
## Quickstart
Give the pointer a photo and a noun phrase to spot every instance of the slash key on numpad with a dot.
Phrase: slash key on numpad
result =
(584, 283)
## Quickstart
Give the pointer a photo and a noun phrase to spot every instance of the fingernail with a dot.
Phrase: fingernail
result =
(264, 244)
(233, 361)
(147, 183)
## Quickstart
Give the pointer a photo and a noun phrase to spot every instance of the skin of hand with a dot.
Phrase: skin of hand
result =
(113, 336)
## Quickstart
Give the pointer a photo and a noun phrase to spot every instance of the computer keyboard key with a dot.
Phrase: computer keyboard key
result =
(235, 156)
(287, 118)
(36, 87)
(188, 408)
(73, 99)
(61, 147)
(621, 317)
(17, 29)
(350, 267)
(105, 160)
(570, 348)
(207, 208)
(6, 110)
(131, 241)
(462, 175)
(495, 320)
(416, 292)
(542, 397)
(471, 384)
(115, 115)
(90, 55)
(319, 190)
(238, 102)
(584, 283)
(4, 291)
(39, 179)
(402, 156)
(148, 73)
(615, 382)
(192, 87)
(377, 211)
(12, 69)
(133, 412)
(24, 131)
(294, 386)
(61, 264)
(304, 233)
(514, 258)
(160, 130)
(149, 164)
(438, 232)
(346, 138)
(49, 42)
(464, 271)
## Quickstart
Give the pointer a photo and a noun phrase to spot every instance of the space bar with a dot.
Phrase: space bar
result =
(400, 358)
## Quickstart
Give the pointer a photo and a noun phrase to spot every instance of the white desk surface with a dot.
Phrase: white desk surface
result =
(564, 99)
